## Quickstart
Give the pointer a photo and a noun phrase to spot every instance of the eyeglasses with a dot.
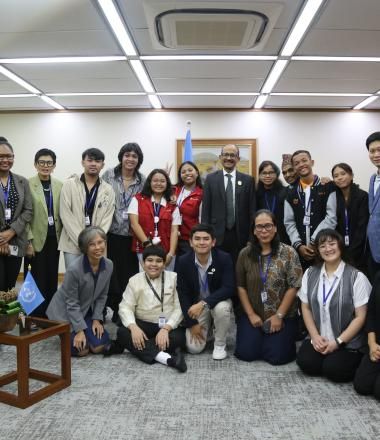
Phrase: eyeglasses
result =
(327, 245)
(267, 227)
(45, 163)
(231, 155)
(7, 156)
(267, 173)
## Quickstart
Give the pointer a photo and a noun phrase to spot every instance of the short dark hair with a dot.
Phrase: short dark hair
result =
(147, 190)
(3, 139)
(127, 148)
(93, 153)
(296, 153)
(7, 144)
(203, 227)
(344, 167)
(277, 184)
(87, 235)
(326, 235)
(45, 152)
(198, 181)
(256, 248)
(372, 138)
(154, 251)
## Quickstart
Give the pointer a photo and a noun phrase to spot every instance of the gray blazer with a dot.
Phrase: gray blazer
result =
(22, 215)
(76, 296)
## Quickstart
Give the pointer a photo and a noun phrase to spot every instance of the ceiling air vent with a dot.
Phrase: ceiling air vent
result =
(203, 26)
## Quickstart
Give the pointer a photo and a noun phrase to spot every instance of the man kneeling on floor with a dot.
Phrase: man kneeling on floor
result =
(150, 314)
(205, 286)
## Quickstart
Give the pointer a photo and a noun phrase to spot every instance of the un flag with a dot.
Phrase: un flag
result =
(30, 296)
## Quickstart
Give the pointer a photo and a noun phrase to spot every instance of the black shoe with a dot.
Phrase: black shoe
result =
(113, 348)
(177, 361)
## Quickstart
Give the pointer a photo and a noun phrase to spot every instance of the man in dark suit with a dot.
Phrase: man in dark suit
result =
(229, 203)
(205, 285)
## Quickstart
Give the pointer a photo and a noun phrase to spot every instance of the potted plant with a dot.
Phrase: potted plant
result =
(9, 310)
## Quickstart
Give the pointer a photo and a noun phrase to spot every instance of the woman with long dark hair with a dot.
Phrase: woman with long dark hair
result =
(352, 215)
(154, 220)
(271, 194)
(268, 277)
(126, 180)
(188, 193)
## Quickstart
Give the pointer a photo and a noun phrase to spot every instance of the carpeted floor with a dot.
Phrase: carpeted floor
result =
(121, 398)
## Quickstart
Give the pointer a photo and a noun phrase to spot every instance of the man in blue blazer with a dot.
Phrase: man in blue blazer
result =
(373, 229)
(229, 203)
(205, 285)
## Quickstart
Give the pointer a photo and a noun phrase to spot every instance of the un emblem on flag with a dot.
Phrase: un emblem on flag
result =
(28, 294)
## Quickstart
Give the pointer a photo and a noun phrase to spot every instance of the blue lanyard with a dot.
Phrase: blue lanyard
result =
(50, 211)
(263, 276)
(273, 208)
(91, 202)
(6, 191)
(300, 199)
(156, 209)
(326, 297)
(346, 223)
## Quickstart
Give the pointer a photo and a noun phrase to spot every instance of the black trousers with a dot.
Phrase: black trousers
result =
(45, 272)
(125, 265)
(338, 366)
(9, 270)
(177, 339)
(230, 245)
(367, 378)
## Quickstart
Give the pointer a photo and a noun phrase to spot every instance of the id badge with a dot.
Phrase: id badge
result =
(50, 220)
(324, 314)
(161, 321)
(8, 213)
(347, 240)
(87, 221)
(306, 220)
(264, 296)
(13, 250)
(124, 215)
(156, 240)
(156, 219)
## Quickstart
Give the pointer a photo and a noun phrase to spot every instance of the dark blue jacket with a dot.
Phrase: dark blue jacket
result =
(221, 281)
(373, 230)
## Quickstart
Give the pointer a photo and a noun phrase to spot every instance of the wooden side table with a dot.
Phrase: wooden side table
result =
(22, 340)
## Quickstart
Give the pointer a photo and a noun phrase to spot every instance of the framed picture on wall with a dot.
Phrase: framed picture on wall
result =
(206, 154)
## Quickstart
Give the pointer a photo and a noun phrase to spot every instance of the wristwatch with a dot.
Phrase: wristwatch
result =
(340, 343)
(279, 315)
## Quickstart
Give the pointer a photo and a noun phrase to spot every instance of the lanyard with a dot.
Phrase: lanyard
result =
(6, 191)
(156, 217)
(271, 209)
(50, 210)
(263, 276)
(326, 297)
(346, 223)
(307, 210)
(92, 195)
(154, 290)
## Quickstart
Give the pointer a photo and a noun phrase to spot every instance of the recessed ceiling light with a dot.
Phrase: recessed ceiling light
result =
(365, 102)
(118, 27)
(19, 80)
(260, 101)
(97, 94)
(49, 60)
(352, 59)
(318, 94)
(18, 95)
(52, 102)
(208, 94)
(208, 58)
(274, 75)
(303, 21)
(142, 76)
(156, 103)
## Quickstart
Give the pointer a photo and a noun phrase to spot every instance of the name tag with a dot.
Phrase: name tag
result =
(13, 250)
(8, 213)
(50, 220)
(162, 321)
(347, 240)
(124, 215)
(87, 221)
(264, 296)
(306, 220)
(156, 240)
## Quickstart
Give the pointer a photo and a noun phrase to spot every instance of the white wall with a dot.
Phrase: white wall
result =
(330, 136)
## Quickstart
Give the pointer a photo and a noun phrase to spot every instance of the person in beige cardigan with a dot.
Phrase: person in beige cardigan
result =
(42, 253)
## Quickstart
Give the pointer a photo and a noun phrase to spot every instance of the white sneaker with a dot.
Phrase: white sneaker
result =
(219, 352)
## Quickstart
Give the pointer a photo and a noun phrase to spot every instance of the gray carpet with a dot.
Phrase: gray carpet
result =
(121, 398)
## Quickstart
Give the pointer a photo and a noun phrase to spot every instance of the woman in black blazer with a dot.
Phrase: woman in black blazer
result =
(352, 215)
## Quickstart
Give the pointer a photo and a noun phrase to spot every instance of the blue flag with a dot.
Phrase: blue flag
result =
(188, 154)
(30, 296)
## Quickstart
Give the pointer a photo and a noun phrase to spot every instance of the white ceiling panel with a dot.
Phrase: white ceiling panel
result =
(88, 85)
(207, 101)
(375, 105)
(312, 101)
(93, 102)
(32, 103)
(7, 86)
(207, 84)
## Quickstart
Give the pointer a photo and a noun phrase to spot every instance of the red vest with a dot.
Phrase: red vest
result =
(146, 221)
(189, 210)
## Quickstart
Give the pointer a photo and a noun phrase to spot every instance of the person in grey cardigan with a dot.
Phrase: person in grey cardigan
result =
(334, 298)
(82, 296)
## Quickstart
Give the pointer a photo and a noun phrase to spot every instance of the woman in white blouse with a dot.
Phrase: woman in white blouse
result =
(334, 298)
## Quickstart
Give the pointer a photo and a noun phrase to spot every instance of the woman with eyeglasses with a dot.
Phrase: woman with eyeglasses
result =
(352, 215)
(81, 298)
(268, 277)
(15, 214)
(42, 252)
(270, 195)
(334, 298)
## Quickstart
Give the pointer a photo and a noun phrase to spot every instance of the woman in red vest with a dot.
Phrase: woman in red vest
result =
(188, 193)
(154, 220)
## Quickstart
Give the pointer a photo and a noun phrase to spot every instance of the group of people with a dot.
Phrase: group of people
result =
(182, 259)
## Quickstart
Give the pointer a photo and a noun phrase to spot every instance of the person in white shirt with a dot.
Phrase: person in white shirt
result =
(150, 313)
(334, 298)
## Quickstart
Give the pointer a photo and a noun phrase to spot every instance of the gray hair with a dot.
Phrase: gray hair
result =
(89, 234)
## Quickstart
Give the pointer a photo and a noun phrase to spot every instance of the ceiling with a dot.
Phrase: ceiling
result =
(79, 28)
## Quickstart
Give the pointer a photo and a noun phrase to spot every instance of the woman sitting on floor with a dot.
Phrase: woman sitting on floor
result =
(82, 296)
(334, 299)
(268, 277)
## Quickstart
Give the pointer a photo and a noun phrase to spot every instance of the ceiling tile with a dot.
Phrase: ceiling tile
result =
(93, 102)
(312, 102)
(207, 101)
(32, 103)
(252, 85)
